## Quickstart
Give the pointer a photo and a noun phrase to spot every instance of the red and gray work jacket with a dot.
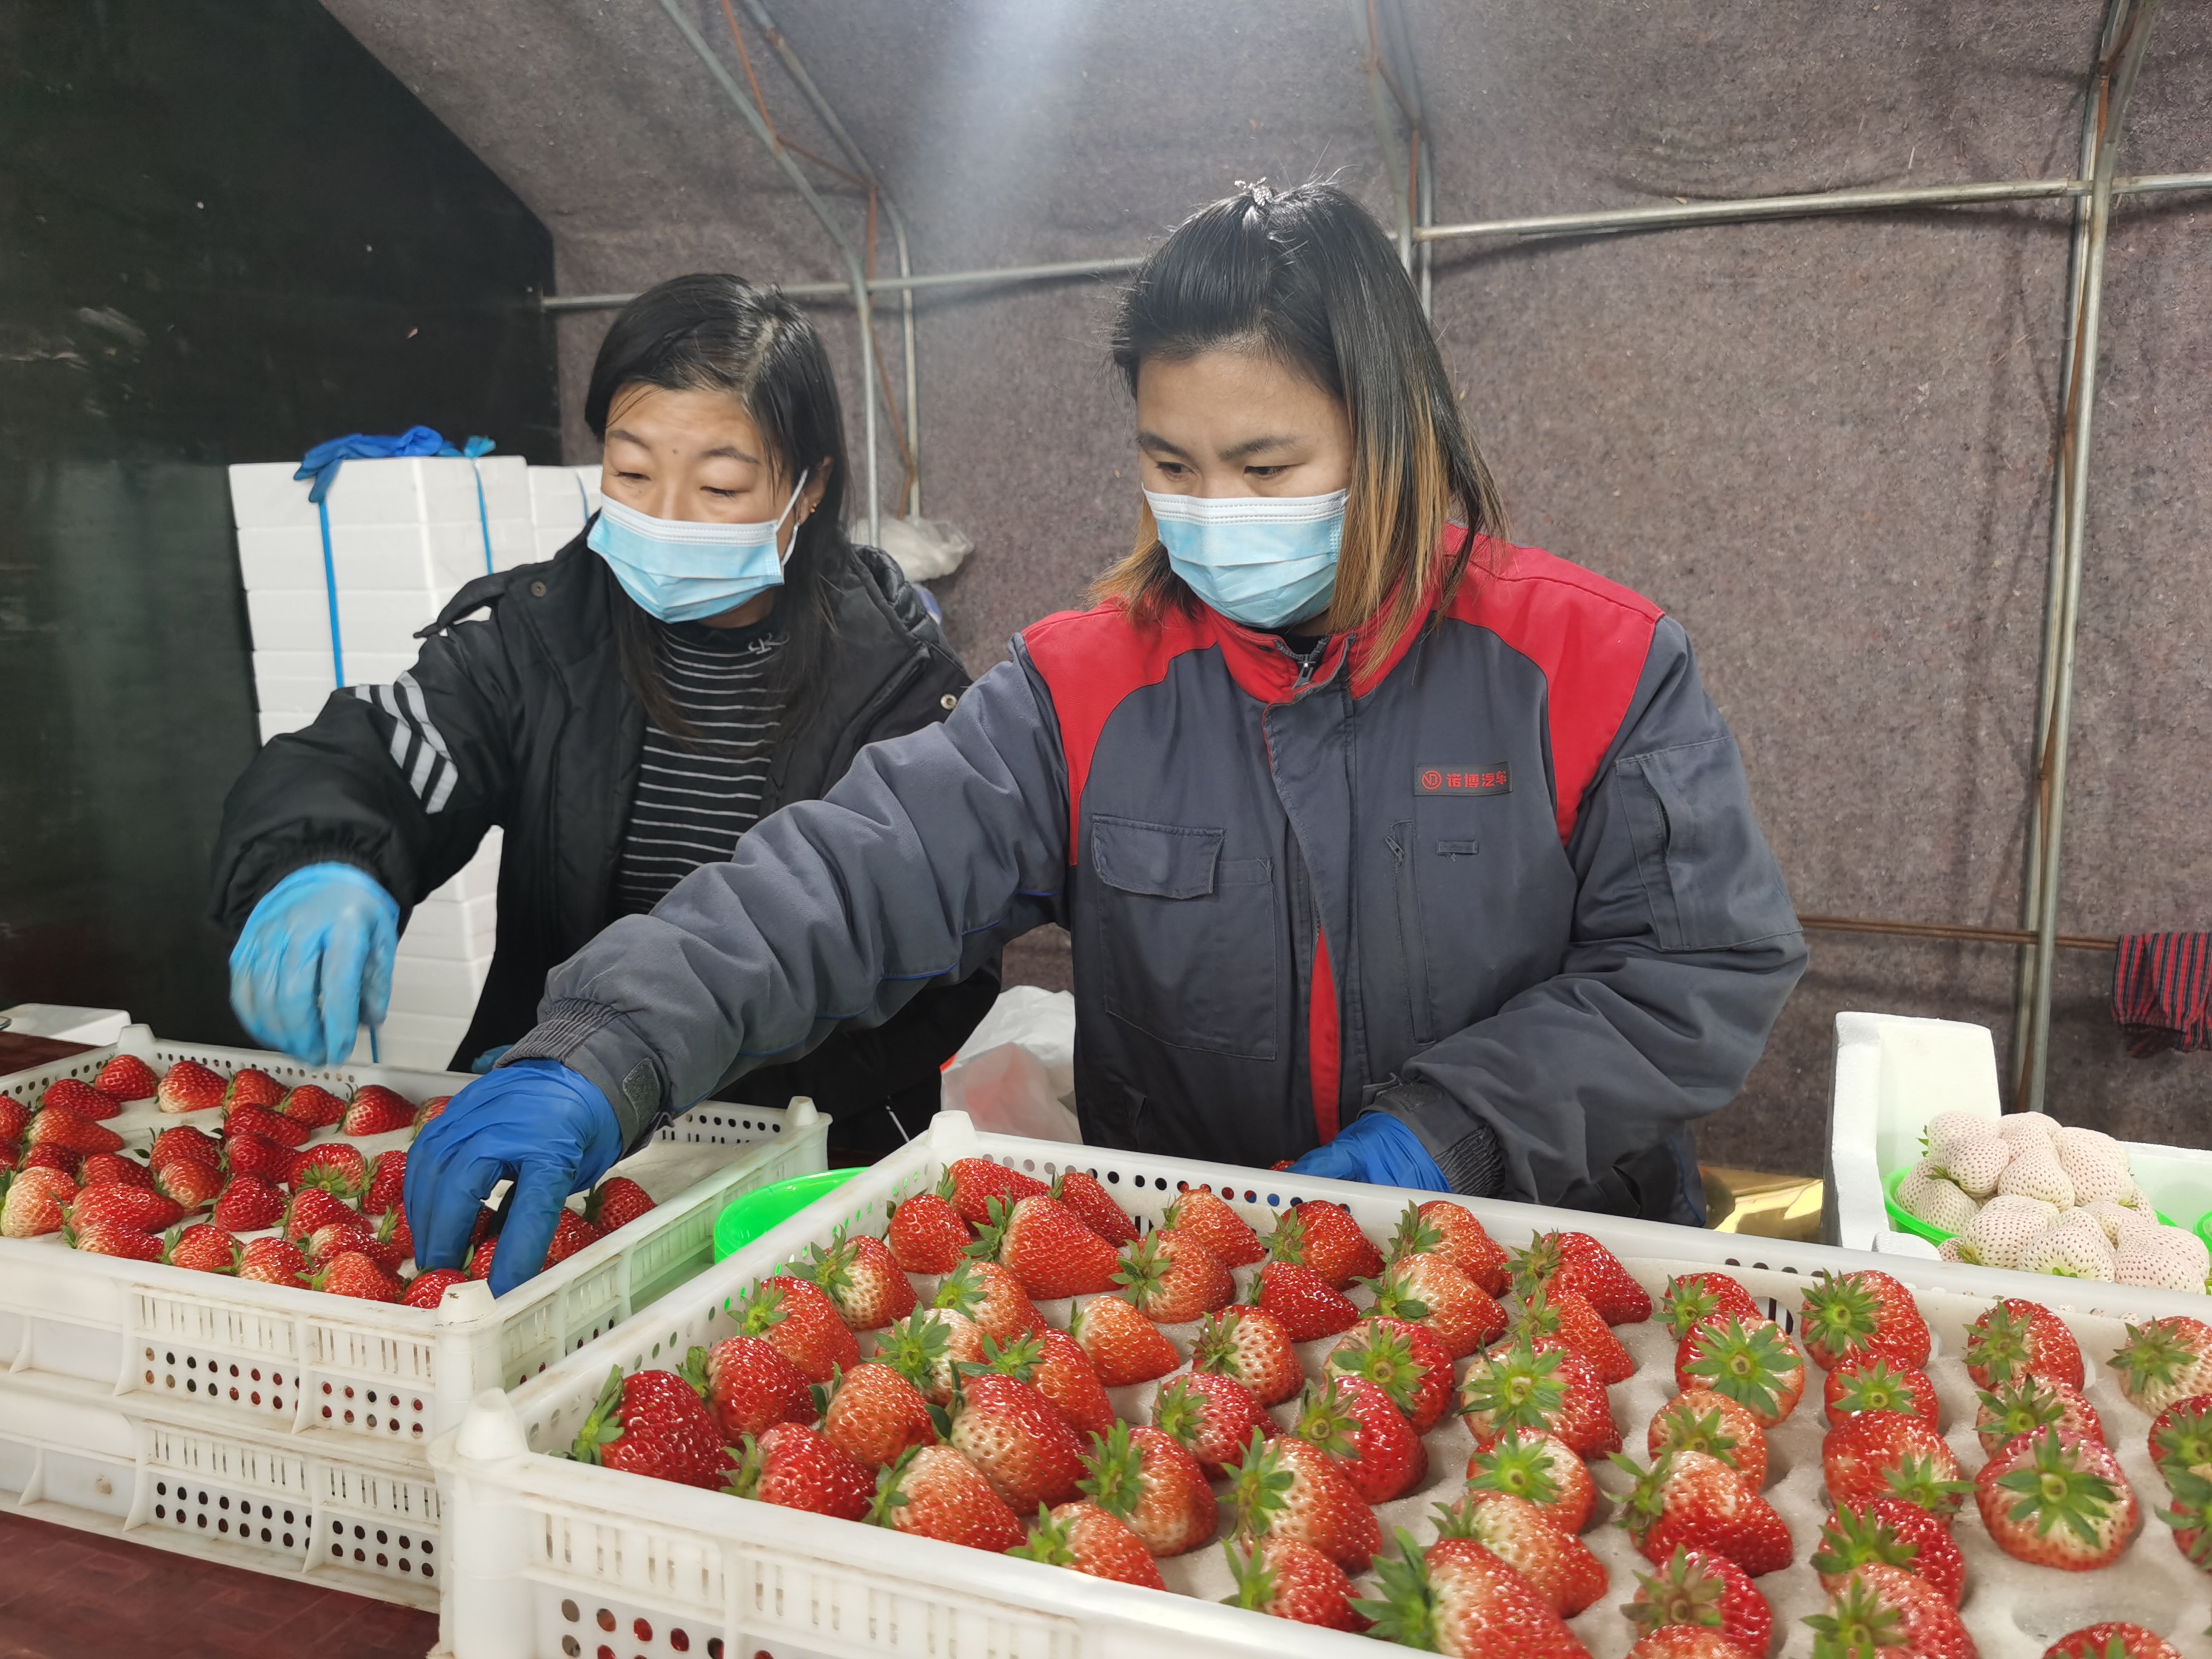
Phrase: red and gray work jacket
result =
(1505, 884)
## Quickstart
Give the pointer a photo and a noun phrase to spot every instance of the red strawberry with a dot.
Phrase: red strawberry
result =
(1879, 1386)
(249, 1085)
(571, 1233)
(53, 1155)
(58, 1126)
(271, 1260)
(1172, 1278)
(1687, 1500)
(1544, 1386)
(927, 1234)
(929, 1347)
(333, 1164)
(1316, 1503)
(1893, 1533)
(2012, 1409)
(387, 1180)
(1325, 1237)
(126, 1078)
(792, 1466)
(201, 1247)
(2054, 1501)
(1208, 1218)
(341, 1238)
(113, 1238)
(1458, 1598)
(2189, 1514)
(428, 1290)
(1062, 1372)
(797, 1319)
(615, 1202)
(1704, 1591)
(2017, 1338)
(2111, 1640)
(185, 1142)
(1891, 1454)
(875, 1413)
(136, 1207)
(357, 1275)
(1153, 1485)
(1691, 1299)
(430, 1109)
(1124, 1345)
(970, 1184)
(189, 1086)
(74, 1095)
(1211, 1417)
(751, 1386)
(15, 1118)
(1881, 1613)
(657, 1423)
(1428, 1291)
(1558, 1565)
(933, 1492)
(114, 1169)
(376, 1110)
(1405, 1361)
(1540, 1468)
(1576, 1262)
(315, 1207)
(251, 1155)
(247, 1204)
(863, 1279)
(1250, 1346)
(314, 1105)
(1865, 1315)
(1083, 1536)
(268, 1124)
(1043, 1244)
(1084, 1195)
(993, 1297)
(1364, 1435)
(1302, 1301)
(1461, 1240)
(2164, 1361)
(1024, 1447)
(1701, 1420)
(1568, 1315)
(1286, 1579)
(2181, 1436)
(1753, 1363)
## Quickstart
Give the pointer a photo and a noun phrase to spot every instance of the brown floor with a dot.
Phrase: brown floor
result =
(67, 1594)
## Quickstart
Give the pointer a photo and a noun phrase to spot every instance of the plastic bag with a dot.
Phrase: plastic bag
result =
(1016, 1074)
(925, 548)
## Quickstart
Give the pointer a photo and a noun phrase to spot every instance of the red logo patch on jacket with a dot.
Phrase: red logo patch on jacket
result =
(1496, 779)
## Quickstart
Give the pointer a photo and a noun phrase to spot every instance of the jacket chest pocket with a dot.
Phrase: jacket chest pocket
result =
(1190, 937)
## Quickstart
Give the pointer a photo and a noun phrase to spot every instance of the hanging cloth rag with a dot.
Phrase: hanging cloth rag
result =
(2163, 992)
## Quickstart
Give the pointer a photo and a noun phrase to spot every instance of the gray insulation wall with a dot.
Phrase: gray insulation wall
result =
(1825, 445)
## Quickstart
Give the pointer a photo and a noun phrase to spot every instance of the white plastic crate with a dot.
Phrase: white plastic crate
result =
(549, 1553)
(1892, 1074)
(349, 1391)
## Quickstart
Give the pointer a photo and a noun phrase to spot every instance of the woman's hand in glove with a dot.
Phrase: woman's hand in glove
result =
(1377, 1149)
(314, 962)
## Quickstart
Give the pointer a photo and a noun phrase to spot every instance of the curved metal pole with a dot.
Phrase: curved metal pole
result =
(858, 283)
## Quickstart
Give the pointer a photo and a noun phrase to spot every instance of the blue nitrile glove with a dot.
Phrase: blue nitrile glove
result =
(1379, 1149)
(314, 963)
(321, 463)
(489, 1058)
(537, 1122)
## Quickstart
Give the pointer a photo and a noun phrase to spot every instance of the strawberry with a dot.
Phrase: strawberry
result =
(189, 1086)
(247, 1204)
(2181, 1436)
(1152, 1484)
(862, 1279)
(324, 1244)
(1043, 1244)
(249, 1085)
(126, 1078)
(428, 1112)
(2189, 1514)
(271, 1260)
(1691, 1299)
(114, 1169)
(1568, 1315)
(2056, 1501)
(927, 1234)
(1576, 1262)
(1558, 1565)
(251, 1155)
(1704, 1591)
(1686, 1641)
(113, 1238)
(993, 1297)
(1405, 1361)
(1427, 1290)
(314, 1105)
(428, 1290)
(1462, 1241)
(315, 1207)
(1123, 1346)
(1324, 1237)
(1211, 1417)
(1753, 1363)
(1459, 1599)
(8, 1156)
(2016, 1338)
(1690, 1501)
(1062, 1372)
(1881, 1613)
(1172, 1278)
(571, 1233)
(1364, 1435)
(333, 1164)
(795, 1317)
(933, 1492)
(376, 1110)
(387, 1182)
(2166, 1360)
(1547, 1387)
(615, 1202)
(1085, 1197)
(58, 1126)
(1302, 1301)
(657, 1423)
(1011, 1432)
(1879, 1386)
(1210, 1219)
(1540, 1468)
(189, 1185)
(201, 1247)
(260, 1121)
(970, 1184)
(1893, 1533)
(15, 1118)
(1865, 1315)
(1288, 1487)
(53, 1155)
(2113, 1639)
(790, 1465)
(1251, 1347)
(397, 1238)
(135, 1207)
(1892, 1454)
(2012, 1409)
(874, 1413)
(1084, 1537)
(1701, 1420)
(355, 1273)
(184, 1142)
(74, 1095)
(1286, 1579)
(929, 1347)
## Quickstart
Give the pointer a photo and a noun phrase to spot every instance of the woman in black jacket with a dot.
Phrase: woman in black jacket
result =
(711, 647)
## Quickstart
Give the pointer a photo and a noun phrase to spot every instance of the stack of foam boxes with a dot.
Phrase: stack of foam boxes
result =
(561, 499)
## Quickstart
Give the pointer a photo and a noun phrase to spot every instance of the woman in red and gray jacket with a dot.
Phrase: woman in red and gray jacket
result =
(1385, 845)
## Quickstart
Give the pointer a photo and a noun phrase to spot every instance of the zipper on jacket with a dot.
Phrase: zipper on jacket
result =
(1410, 944)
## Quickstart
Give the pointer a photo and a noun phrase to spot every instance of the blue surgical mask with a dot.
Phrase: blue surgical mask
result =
(1260, 560)
(681, 571)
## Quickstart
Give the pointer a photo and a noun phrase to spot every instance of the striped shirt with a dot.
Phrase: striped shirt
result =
(696, 796)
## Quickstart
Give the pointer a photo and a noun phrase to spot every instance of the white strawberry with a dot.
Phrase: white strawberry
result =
(2137, 1200)
(1977, 1162)
(2072, 1246)
(2002, 1229)
(1947, 1129)
(2028, 1128)
(1948, 1250)
(2035, 1174)
(2116, 1219)
(2095, 1163)
(2165, 1258)
(1927, 1195)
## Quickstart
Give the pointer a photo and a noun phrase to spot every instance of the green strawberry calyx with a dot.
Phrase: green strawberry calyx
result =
(1520, 1390)
(1683, 1428)
(1327, 1420)
(1049, 1540)
(2053, 1489)
(1416, 1236)
(1114, 1477)
(1407, 1610)
(1259, 1486)
(1384, 1358)
(1858, 1622)
(1879, 1387)
(1521, 1466)
(1682, 1592)
(1857, 1538)
(1746, 1365)
(1840, 1314)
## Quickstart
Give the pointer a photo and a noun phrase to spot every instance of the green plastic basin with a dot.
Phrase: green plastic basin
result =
(757, 1213)
(1913, 1225)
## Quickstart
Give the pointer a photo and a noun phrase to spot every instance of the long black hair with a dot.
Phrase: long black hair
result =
(1307, 277)
(712, 332)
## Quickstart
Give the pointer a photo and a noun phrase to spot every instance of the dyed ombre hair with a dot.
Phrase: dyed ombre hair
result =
(1309, 278)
